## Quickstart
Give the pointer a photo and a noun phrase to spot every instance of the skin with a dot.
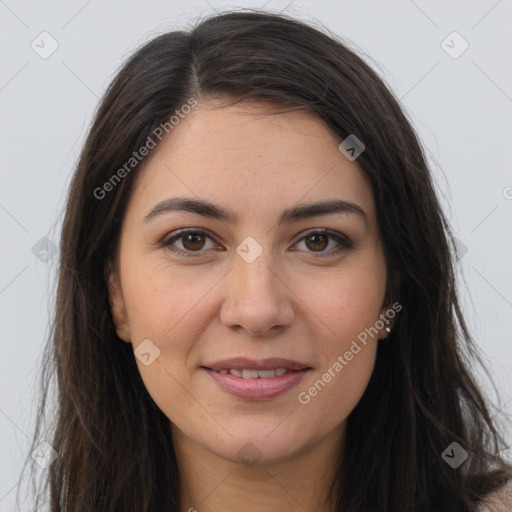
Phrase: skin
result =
(287, 303)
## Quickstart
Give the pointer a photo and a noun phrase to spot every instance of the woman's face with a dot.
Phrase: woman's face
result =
(256, 284)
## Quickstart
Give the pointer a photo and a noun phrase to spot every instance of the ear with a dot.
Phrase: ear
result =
(117, 304)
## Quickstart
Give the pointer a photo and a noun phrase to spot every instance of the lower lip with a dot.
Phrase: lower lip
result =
(257, 389)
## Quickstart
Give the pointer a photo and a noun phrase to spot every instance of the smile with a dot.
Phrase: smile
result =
(255, 374)
(257, 380)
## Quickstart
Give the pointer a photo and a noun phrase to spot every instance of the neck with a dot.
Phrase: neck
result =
(211, 483)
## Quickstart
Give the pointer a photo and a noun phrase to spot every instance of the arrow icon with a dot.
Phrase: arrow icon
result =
(249, 249)
(249, 455)
(351, 147)
(454, 455)
(454, 45)
(147, 352)
(44, 44)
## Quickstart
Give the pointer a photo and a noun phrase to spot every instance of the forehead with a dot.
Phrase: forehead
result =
(251, 156)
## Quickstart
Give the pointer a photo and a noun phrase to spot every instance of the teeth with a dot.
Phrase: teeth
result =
(250, 374)
(255, 374)
(266, 374)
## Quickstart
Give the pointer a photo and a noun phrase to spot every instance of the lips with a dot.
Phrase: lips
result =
(257, 380)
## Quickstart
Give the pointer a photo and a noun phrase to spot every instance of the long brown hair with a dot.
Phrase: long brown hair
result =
(114, 445)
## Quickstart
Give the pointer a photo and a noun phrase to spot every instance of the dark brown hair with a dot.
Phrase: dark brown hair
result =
(114, 445)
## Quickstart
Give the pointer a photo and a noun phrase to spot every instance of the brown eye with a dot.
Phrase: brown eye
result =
(318, 242)
(193, 242)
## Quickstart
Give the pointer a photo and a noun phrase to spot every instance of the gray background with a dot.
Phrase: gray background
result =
(461, 107)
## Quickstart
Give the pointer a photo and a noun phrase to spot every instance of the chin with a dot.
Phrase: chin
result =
(258, 446)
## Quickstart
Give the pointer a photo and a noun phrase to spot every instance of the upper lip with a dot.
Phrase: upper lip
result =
(242, 363)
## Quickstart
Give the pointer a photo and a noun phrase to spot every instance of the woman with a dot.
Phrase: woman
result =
(256, 306)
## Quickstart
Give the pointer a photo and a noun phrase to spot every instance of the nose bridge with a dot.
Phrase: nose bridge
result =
(256, 298)
(254, 267)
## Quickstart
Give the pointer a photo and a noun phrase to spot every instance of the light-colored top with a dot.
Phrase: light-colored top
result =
(499, 501)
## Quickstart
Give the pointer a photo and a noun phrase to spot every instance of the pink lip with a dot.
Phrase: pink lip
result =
(257, 389)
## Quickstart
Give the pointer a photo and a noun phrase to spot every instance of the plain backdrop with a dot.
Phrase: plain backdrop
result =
(456, 88)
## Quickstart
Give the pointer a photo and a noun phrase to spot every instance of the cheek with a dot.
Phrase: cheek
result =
(339, 386)
(173, 310)
(348, 308)
(346, 303)
(348, 353)
(166, 305)
(173, 320)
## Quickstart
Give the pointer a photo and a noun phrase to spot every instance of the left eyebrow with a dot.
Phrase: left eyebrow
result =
(288, 216)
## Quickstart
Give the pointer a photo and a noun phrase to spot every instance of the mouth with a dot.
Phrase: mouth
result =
(257, 380)
(253, 369)
(248, 373)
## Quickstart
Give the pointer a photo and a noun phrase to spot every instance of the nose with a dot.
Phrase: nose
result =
(259, 297)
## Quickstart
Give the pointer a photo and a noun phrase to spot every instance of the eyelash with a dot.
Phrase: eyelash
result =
(345, 243)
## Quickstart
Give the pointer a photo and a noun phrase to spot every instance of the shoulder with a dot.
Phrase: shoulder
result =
(499, 500)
